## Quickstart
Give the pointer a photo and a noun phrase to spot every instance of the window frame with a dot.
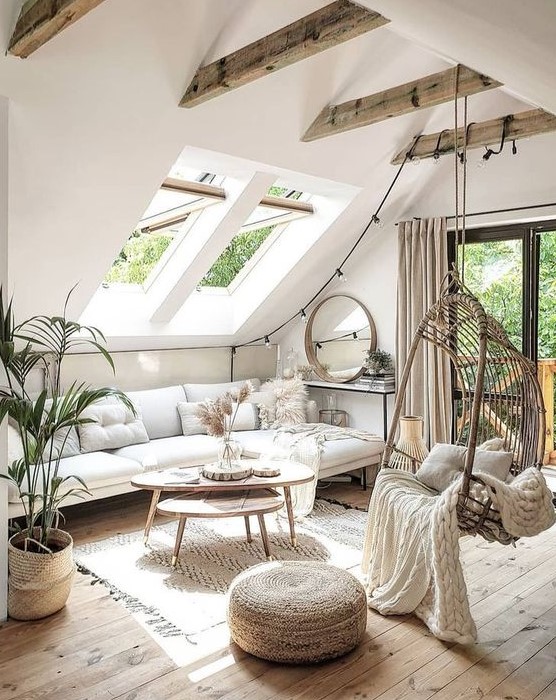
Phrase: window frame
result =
(529, 234)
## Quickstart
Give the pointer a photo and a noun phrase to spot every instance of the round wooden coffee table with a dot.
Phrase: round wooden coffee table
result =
(188, 480)
(222, 504)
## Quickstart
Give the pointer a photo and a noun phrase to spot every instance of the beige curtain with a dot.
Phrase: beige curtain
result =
(422, 264)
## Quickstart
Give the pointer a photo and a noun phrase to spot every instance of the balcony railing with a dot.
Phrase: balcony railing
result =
(547, 370)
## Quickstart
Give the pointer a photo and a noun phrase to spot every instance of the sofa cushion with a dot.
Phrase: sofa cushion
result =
(95, 468)
(202, 392)
(446, 462)
(191, 424)
(159, 410)
(187, 451)
(266, 404)
(291, 401)
(111, 426)
(335, 452)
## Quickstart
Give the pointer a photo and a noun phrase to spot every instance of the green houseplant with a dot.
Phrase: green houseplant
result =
(377, 361)
(40, 554)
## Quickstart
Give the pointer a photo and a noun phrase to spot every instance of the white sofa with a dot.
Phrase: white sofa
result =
(108, 473)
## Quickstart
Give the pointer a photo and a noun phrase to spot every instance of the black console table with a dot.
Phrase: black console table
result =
(360, 389)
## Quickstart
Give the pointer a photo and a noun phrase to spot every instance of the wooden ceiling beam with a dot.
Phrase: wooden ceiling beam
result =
(489, 133)
(321, 30)
(418, 94)
(41, 20)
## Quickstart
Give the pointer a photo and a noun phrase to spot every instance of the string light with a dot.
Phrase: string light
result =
(338, 274)
(354, 335)
(234, 351)
(318, 346)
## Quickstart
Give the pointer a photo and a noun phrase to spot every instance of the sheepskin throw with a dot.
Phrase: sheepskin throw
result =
(291, 401)
(411, 550)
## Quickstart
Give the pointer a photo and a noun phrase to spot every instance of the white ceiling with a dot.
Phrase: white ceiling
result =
(95, 127)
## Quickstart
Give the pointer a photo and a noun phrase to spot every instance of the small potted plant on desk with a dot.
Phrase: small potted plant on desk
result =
(378, 362)
(40, 556)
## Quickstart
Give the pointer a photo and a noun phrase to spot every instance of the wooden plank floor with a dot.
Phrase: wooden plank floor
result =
(95, 650)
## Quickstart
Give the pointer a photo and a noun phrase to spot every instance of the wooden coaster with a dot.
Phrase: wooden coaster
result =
(266, 470)
(217, 473)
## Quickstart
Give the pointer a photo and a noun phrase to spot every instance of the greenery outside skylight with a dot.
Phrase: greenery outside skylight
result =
(161, 222)
(250, 238)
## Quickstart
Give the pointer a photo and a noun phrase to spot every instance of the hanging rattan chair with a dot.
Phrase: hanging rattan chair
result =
(498, 395)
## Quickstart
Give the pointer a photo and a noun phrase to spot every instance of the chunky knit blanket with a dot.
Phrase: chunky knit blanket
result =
(411, 548)
(304, 443)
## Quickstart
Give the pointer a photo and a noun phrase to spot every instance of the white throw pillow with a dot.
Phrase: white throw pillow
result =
(291, 401)
(441, 466)
(190, 422)
(112, 426)
(246, 418)
(496, 463)
(265, 401)
(446, 462)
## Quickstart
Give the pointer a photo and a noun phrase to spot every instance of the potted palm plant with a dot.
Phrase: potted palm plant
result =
(40, 559)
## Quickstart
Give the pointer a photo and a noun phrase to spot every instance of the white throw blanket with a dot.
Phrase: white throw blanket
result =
(304, 443)
(411, 549)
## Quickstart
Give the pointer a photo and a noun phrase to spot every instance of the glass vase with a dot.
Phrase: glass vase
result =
(229, 453)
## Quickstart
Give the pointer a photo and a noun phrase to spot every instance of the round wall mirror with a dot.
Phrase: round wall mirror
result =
(339, 331)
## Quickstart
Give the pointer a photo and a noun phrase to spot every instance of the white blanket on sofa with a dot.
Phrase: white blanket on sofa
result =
(411, 549)
(304, 443)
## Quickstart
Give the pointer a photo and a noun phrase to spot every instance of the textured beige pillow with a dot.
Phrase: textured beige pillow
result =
(111, 426)
(291, 401)
(446, 462)
(442, 465)
(190, 421)
(246, 417)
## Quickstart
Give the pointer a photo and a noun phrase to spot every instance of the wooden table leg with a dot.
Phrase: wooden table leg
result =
(248, 529)
(150, 517)
(264, 535)
(179, 535)
(289, 508)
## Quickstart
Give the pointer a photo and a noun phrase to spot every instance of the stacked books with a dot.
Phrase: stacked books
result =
(380, 382)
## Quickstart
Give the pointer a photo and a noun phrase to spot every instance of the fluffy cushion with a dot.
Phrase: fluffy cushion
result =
(202, 392)
(291, 400)
(265, 401)
(446, 462)
(190, 422)
(112, 426)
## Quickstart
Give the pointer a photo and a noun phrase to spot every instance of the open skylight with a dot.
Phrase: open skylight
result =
(277, 208)
(160, 224)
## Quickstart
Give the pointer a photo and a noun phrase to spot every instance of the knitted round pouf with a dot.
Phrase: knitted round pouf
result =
(296, 611)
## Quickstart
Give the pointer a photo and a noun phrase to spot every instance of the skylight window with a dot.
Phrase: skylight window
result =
(276, 209)
(160, 224)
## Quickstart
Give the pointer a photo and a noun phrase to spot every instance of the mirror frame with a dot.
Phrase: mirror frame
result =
(310, 350)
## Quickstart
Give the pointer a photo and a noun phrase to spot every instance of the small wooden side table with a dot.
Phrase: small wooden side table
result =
(222, 504)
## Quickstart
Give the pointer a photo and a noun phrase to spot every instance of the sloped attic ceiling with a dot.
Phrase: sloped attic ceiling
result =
(95, 128)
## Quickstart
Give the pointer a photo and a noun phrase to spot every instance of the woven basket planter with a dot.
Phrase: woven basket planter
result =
(39, 584)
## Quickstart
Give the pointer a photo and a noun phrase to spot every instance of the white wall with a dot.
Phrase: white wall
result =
(4, 283)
